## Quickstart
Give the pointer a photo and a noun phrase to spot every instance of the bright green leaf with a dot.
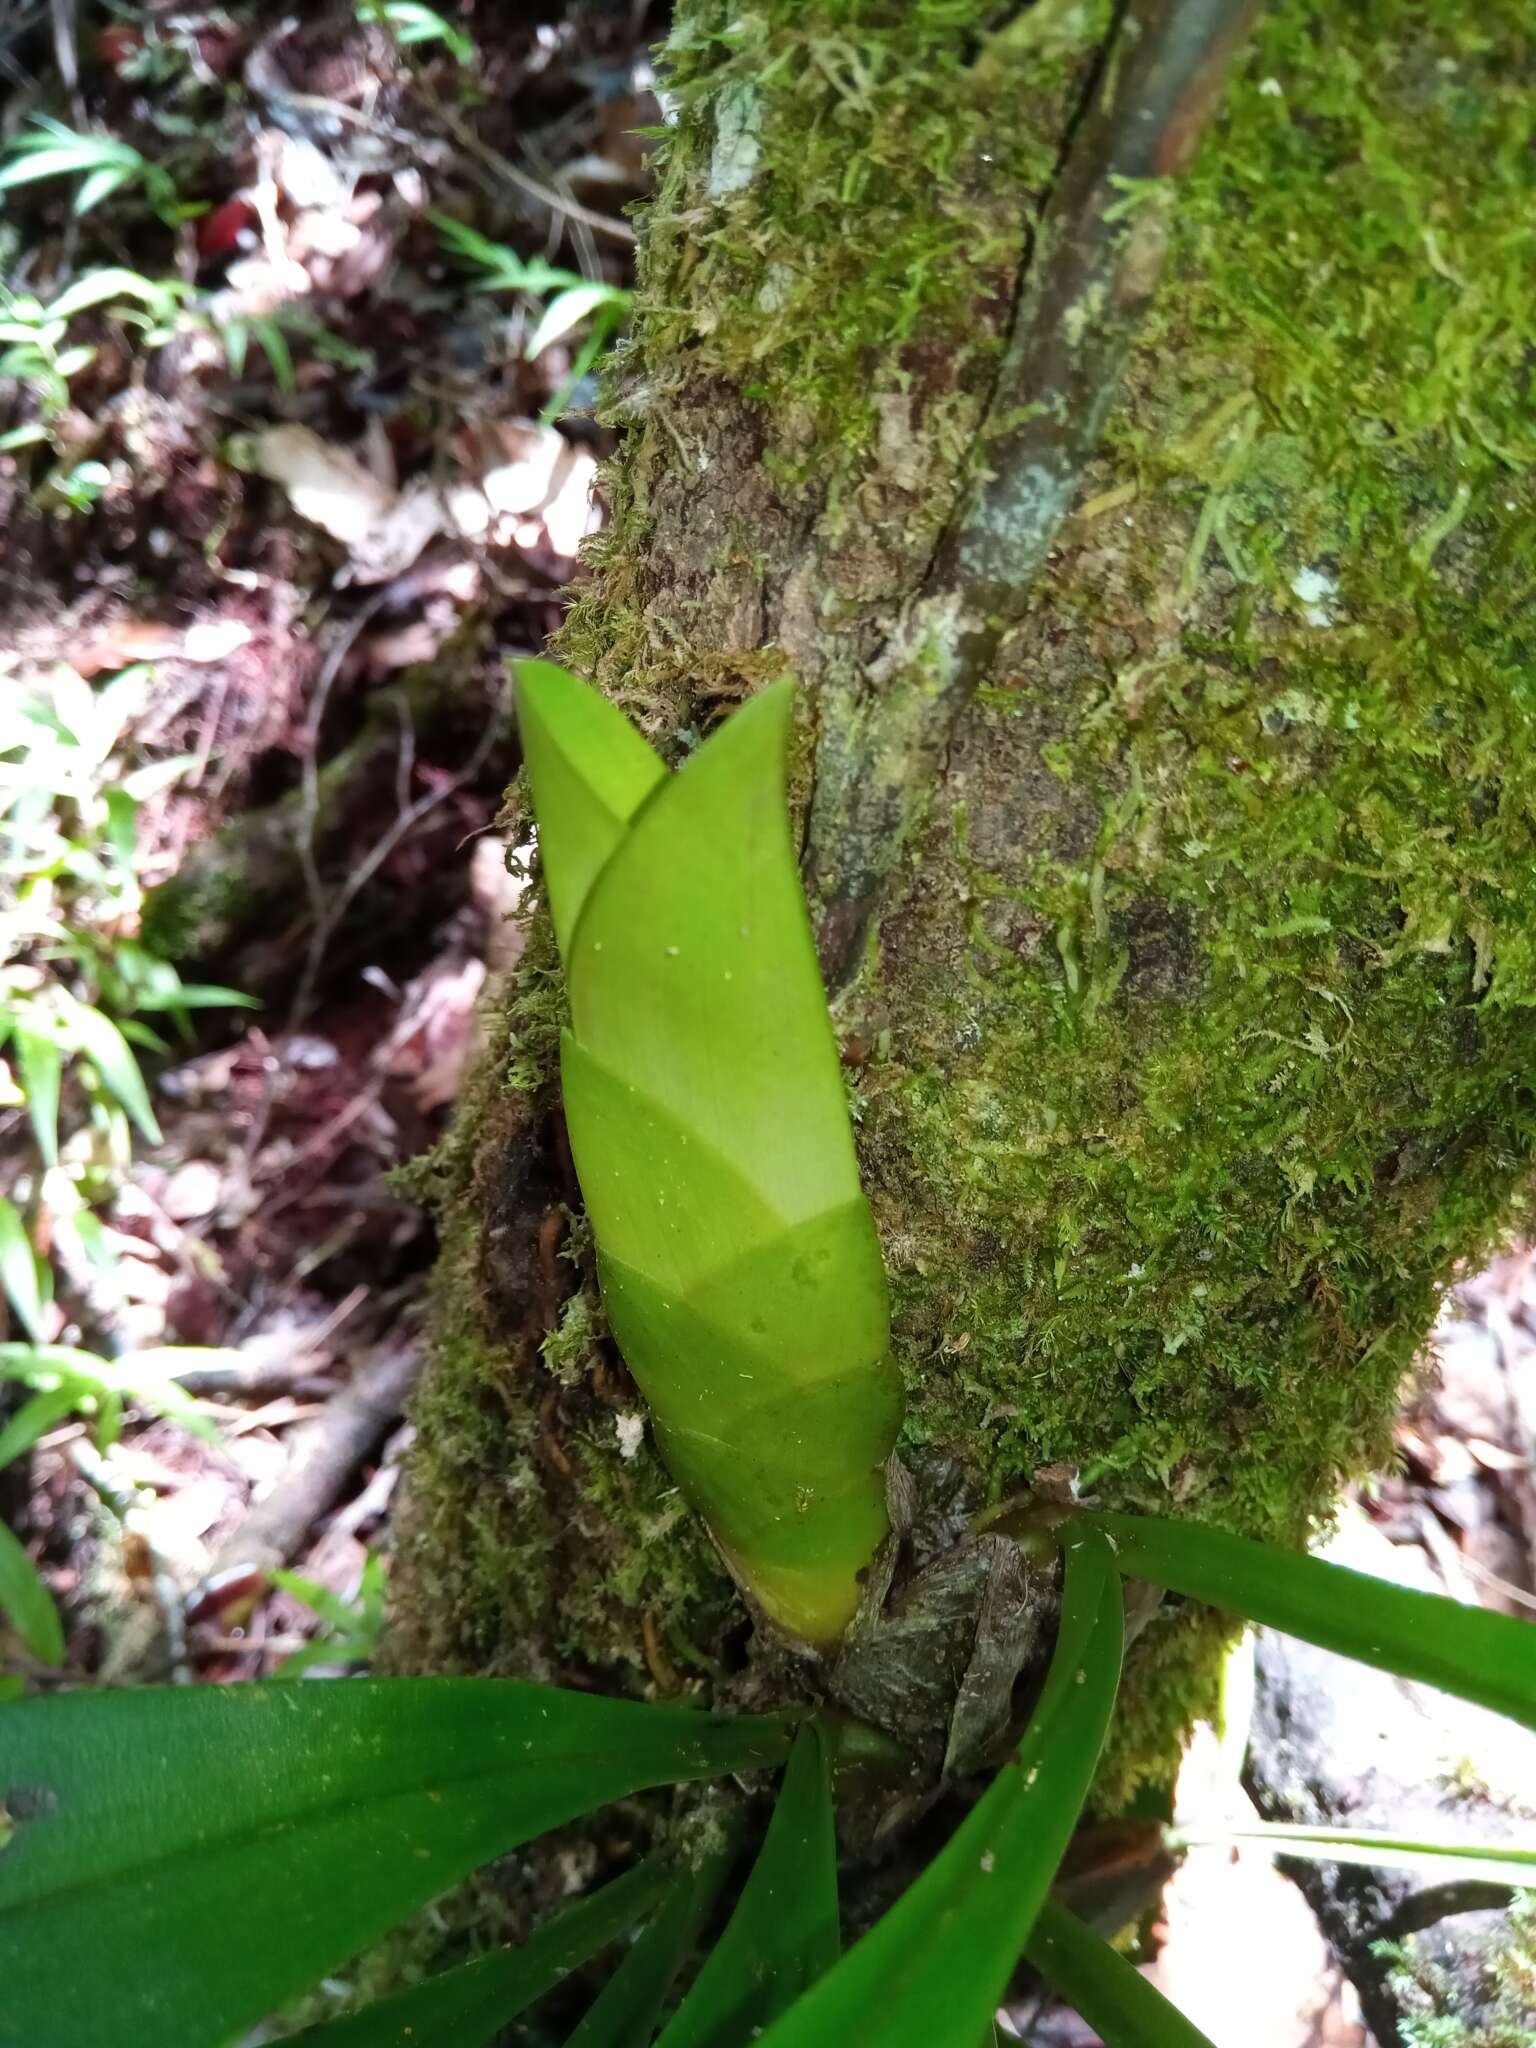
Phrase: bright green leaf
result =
(468, 2007)
(101, 184)
(40, 1064)
(590, 772)
(96, 287)
(19, 1274)
(783, 1934)
(1470, 1651)
(930, 1974)
(1110, 1993)
(26, 1603)
(310, 1817)
(567, 310)
(693, 975)
(32, 1420)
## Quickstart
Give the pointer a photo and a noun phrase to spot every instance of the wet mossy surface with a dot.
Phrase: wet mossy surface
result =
(1201, 1043)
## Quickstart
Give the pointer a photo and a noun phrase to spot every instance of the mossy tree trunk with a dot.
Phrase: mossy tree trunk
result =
(1184, 959)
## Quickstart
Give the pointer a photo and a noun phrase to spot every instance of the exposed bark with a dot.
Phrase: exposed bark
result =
(1188, 1032)
(1089, 273)
(1337, 1746)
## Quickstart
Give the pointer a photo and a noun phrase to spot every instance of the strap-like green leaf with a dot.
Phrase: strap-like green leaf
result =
(1447, 1858)
(19, 1270)
(590, 772)
(630, 2004)
(309, 1817)
(1470, 1651)
(34, 1419)
(467, 2007)
(931, 1973)
(25, 1602)
(783, 1934)
(95, 1036)
(40, 1065)
(1110, 1993)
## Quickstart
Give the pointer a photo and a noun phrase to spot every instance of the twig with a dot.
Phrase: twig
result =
(309, 787)
(501, 171)
(329, 915)
(322, 1456)
(1096, 259)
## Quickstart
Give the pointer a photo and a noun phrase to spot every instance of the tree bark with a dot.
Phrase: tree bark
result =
(1176, 883)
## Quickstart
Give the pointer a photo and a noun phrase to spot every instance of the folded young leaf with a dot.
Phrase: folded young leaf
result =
(1110, 1994)
(704, 1099)
(933, 1971)
(631, 2002)
(783, 1934)
(468, 2007)
(26, 1603)
(1470, 1651)
(590, 771)
(282, 1828)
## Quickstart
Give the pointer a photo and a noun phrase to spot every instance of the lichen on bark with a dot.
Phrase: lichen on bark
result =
(1196, 1046)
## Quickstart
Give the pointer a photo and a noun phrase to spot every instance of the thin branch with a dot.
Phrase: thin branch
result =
(1095, 263)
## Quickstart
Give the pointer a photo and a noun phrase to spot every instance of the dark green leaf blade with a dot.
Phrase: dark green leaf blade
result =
(311, 1817)
(467, 2007)
(26, 1602)
(1470, 1651)
(1110, 1993)
(589, 770)
(931, 1973)
(783, 1934)
(629, 2005)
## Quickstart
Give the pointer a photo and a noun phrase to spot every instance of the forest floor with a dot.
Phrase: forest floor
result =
(305, 461)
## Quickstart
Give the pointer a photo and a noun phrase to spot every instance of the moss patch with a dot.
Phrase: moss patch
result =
(1203, 1041)
(1211, 1012)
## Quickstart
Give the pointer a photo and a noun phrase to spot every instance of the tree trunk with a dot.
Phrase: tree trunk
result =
(1175, 880)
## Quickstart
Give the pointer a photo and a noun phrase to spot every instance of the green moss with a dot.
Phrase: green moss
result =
(826, 278)
(1211, 1011)
(1435, 2006)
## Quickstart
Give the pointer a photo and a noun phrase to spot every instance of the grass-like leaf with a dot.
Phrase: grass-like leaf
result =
(1110, 1993)
(34, 1419)
(87, 1031)
(40, 1064)
(783, 1934)
(467, 2007)
(629, 2005)
(27, 1605)
(1440, 1856)
(1478, 1655)
(309, 1817)
(931, 1973)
